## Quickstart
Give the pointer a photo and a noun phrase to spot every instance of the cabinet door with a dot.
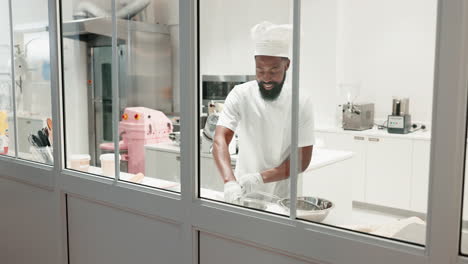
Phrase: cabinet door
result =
(420, 175)
(357, 169)
(210, 177)
(162, 165)
(388, 172)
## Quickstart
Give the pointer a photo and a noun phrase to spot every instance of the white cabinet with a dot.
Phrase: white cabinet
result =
(164, 165)
(357, 165)
(420, 179)
(388, 171)
(209, 175)
(163, 162)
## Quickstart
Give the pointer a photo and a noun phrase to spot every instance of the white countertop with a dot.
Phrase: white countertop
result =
(375, 132)
(320, 157)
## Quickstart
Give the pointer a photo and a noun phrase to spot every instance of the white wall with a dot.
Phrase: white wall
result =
(226, 47)
(319, 57)
(389, 46)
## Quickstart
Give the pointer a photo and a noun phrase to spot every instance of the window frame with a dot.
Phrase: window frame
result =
(305, 240)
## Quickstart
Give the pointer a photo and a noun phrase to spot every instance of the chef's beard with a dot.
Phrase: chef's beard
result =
(273, 93)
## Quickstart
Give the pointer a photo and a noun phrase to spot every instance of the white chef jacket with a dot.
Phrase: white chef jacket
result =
(264, 130)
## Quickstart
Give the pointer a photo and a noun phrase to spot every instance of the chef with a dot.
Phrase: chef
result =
(259, 112)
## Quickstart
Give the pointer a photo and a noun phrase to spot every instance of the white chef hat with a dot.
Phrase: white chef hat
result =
(271, 39)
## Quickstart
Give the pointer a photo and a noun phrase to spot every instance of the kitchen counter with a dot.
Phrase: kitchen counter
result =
(375, 132)
(323, 178)
(320, 157)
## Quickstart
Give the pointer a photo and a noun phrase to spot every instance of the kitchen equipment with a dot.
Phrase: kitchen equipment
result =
(310, 208)
(141, 126)
(358, 116)
(208, 133)
(144, 64)
(399, 122)
(215, 88)
(175, 137)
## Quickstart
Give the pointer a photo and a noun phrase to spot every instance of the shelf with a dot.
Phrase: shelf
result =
(102, 26)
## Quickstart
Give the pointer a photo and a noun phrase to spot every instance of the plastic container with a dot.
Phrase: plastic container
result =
(108, 164)
(80, 162)
(42, 154)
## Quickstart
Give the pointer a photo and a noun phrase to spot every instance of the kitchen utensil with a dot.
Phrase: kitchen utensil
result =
(43, 138)
(175, 137)
(36, 141)
(32, 141)
(310, 208)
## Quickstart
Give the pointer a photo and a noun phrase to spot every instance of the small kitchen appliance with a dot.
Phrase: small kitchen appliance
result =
(399, 122)
(358, 116)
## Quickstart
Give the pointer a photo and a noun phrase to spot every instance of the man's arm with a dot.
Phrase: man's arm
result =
(223, 137)
(282, 171)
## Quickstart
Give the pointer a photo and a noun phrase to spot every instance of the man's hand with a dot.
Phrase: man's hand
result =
(232, 192)
(250, 182)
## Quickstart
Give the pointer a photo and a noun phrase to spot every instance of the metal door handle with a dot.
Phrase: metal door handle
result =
(358, 138)
(374, 139)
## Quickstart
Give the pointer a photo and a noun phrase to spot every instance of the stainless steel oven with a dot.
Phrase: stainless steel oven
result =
(217, 87)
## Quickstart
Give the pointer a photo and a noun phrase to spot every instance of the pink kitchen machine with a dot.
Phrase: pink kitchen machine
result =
(141, 126)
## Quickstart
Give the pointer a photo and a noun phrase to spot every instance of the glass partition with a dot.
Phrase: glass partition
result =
(7, 146)
(25, 82)
(121, 90)
(245, 102)
(368, 78)
(149, 111)
(87, 85)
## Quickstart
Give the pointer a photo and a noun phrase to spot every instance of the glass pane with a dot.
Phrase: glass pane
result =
(6, 95)
(245, 102)
(148, 49)
(87, 79)
(368, 77)
(147, 85)
(32, 80)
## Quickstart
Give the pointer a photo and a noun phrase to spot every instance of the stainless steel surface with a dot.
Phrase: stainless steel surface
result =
(400, 106)
(358, 116)
(228, 78)
(102, 26)
(310, 208)
(217, 87)
(144, 70)
(175, 137)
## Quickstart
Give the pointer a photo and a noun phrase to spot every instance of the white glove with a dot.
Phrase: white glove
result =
(250, 182)
(232, 192)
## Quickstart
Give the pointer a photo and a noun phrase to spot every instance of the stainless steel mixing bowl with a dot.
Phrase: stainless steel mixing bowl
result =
(310, 208)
